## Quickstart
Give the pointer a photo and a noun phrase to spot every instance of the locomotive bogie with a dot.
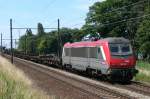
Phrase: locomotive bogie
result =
(122, 74)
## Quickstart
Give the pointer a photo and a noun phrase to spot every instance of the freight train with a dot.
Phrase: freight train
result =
(110, 57)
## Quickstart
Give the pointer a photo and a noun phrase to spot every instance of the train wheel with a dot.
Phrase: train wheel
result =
(68, 67)
(89, 72)
(64, 66)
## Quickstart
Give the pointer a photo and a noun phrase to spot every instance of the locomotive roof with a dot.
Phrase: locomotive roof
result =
(116, 40)
(94, 43)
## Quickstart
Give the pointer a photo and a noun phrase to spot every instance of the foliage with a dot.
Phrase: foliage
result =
(27, 42)
(144, 71)
(143, 35)
(47, 43)
(144, 49)
(102, 18)
(109, 22)
(40, 29)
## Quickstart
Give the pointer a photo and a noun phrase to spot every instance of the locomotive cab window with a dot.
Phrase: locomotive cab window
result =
(114, 48)
(125, 48)
(120, 50)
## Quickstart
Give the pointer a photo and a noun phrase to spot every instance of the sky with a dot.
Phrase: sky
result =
(27, 13)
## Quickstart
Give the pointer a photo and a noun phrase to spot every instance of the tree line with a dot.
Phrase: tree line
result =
(111, 18)
(47, 43)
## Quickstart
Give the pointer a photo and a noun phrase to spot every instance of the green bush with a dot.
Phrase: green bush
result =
(144, 72)
(144, 49)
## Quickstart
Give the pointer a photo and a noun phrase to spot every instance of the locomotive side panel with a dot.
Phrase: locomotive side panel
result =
(87, 57)
(66, 59)
(98, 62)
(79, 58)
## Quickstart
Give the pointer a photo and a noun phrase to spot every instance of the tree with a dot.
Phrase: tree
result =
(143, 35)
(27, 42)
(40, 30)
(21, 46)
(42, 46)
(29, 32)
(103, 18)
(144, 49)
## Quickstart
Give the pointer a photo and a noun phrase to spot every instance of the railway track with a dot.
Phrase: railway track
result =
(133, 86)
(86, 87)
(137, 87)
(95, 90)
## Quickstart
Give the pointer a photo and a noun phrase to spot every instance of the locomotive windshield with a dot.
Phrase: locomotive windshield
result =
(114, 48)
(120, 50)
(125, 48)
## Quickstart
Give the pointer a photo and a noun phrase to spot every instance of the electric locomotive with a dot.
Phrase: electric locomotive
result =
(110, 57)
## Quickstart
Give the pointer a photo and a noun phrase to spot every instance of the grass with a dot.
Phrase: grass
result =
(144, 72)
(15, 85)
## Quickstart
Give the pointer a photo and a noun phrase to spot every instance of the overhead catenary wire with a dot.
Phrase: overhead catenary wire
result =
(133, 4)
(47, 7)
(106, 24)
(18, 28)
(10, 39)
(76, 24)
(81, 17)
(49, 4)
(30, 28)
(53, 23)
(136, 3)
